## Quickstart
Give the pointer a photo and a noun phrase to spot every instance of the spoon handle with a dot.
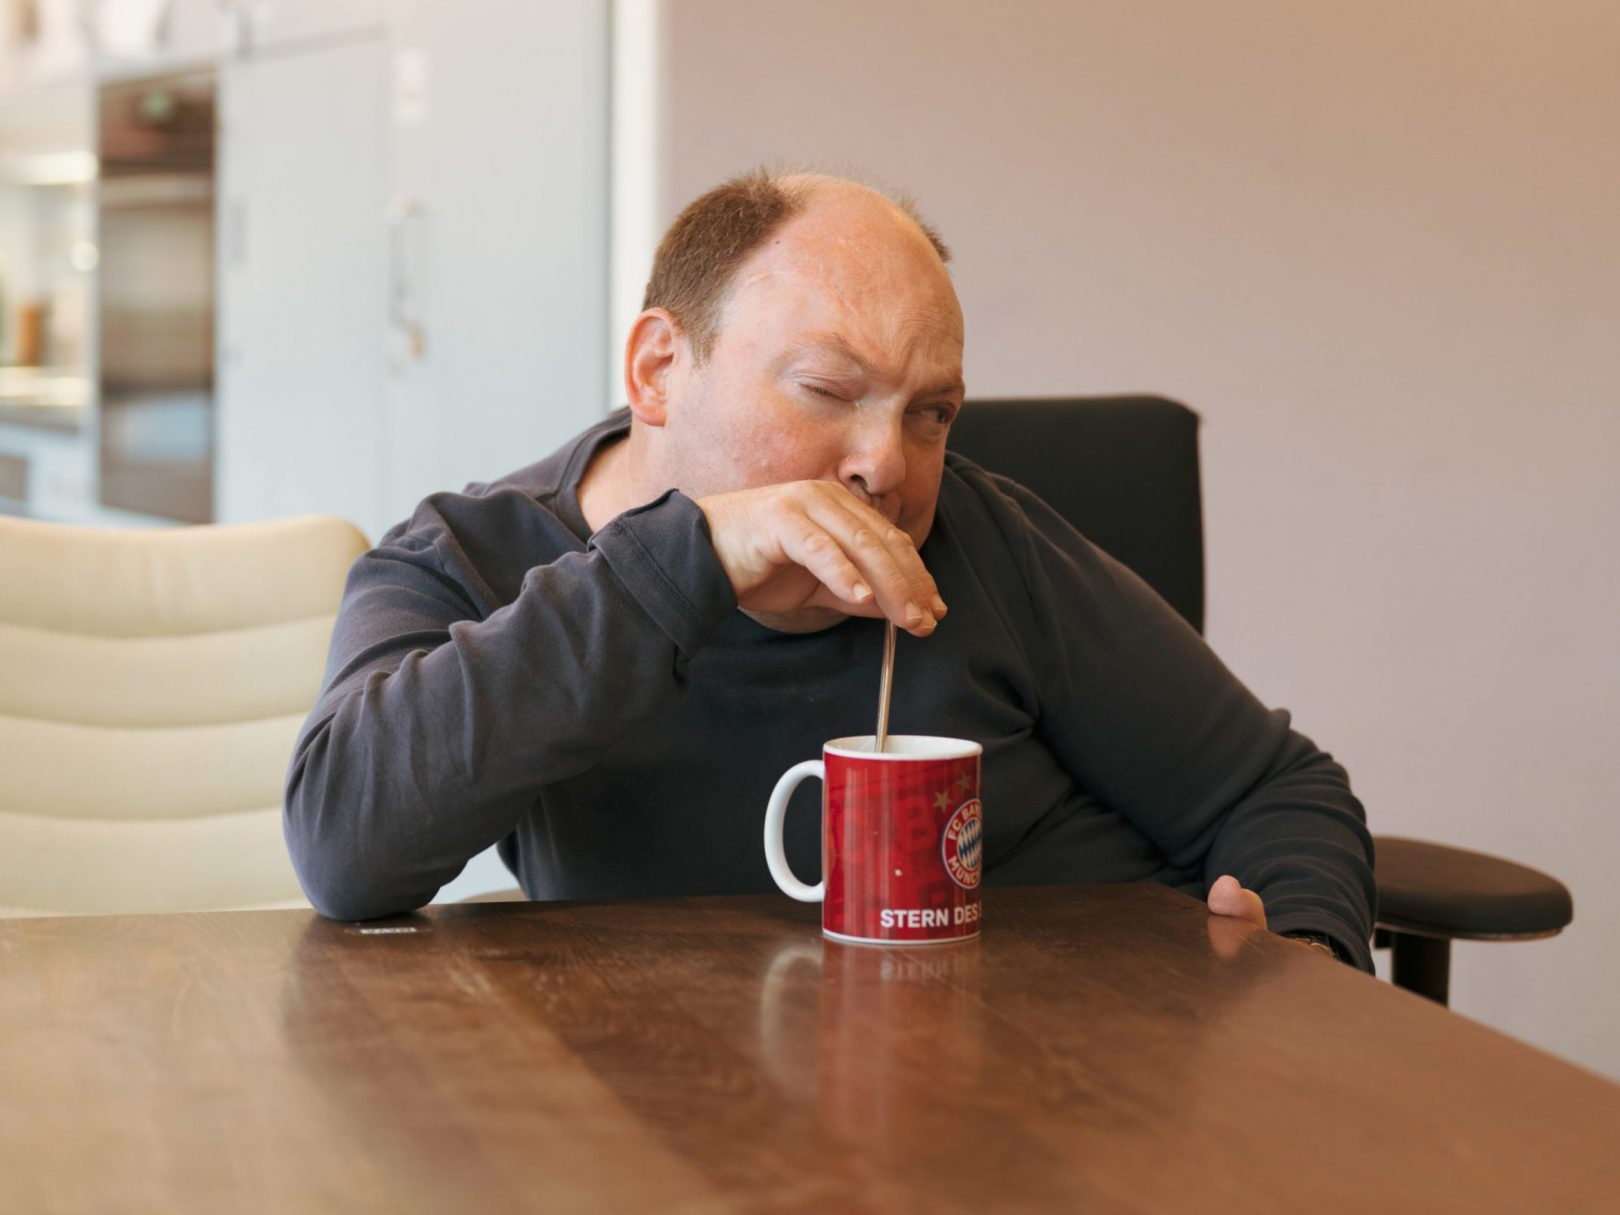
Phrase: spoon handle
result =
(884, 685)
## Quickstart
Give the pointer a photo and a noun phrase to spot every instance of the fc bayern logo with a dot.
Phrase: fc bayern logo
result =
(963, 844)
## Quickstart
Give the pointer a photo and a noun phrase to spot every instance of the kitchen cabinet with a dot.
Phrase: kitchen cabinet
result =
(413, 254)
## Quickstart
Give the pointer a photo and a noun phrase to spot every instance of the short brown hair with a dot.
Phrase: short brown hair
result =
(699, 255)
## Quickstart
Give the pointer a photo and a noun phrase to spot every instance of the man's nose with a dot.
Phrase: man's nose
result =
(874, 466)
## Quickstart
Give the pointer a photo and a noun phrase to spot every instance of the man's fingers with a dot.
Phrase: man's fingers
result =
(885, 558)
(1228, 897)
(810, 546)
(861, 581)
(813, 543)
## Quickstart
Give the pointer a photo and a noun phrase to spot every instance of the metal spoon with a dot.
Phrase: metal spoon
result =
(885, 684)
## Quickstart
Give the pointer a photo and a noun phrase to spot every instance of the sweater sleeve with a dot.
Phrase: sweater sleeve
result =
(449, 703)
(1143, 714)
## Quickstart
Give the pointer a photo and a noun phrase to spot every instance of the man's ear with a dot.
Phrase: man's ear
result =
(654, 346)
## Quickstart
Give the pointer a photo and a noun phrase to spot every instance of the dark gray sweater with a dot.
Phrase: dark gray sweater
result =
(598, 706)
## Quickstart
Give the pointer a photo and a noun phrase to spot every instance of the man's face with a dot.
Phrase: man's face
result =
(838, 358)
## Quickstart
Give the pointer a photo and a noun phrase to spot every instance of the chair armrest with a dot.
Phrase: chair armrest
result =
(1437, 891)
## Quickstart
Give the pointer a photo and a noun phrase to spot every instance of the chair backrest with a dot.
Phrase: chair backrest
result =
(151, 688)
(1122, 470)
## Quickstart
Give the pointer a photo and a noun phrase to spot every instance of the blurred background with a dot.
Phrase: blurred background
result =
(263, 258)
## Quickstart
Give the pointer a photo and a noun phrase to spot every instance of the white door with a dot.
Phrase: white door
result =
(302, 369)
(500, 184)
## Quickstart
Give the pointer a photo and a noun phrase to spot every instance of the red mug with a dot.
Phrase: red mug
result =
(902, 841)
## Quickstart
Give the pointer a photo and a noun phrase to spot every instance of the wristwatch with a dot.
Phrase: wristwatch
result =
(1317, 941)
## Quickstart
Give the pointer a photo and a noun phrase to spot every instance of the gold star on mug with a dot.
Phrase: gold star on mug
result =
(964, 783)
(942, 800)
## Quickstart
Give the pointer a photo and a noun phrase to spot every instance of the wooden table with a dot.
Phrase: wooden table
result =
(1103, 1049)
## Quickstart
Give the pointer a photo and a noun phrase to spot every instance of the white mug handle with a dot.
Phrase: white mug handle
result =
(775, 856)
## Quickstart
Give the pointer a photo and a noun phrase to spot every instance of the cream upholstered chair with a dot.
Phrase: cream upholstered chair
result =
(151, 687)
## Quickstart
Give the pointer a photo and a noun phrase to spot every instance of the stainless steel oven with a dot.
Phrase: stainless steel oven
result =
(156, 144)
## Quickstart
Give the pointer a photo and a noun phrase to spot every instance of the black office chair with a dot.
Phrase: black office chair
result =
(1124, 471)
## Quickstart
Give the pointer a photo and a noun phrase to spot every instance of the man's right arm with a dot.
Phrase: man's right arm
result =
(445, 711)
(449, 703)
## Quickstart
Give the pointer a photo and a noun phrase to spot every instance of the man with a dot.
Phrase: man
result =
(603, 661)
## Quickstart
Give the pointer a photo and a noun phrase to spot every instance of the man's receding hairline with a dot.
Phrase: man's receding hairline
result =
(697, 267)
(802, 189)
(805, 186)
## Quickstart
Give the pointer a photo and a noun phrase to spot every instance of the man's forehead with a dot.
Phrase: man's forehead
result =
(822, 305)
(846, 231)
(832, 344)
(851, 280)
(827, 342)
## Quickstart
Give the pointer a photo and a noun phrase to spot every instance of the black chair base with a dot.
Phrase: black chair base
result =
(1421, 965)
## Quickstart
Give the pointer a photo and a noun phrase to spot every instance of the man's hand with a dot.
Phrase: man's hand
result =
(813, 544)
(1228, 898)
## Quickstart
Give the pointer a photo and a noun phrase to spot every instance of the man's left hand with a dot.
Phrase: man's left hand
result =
(1228, 898)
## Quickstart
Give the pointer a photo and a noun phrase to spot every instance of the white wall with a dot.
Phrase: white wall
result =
(1377, 246)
